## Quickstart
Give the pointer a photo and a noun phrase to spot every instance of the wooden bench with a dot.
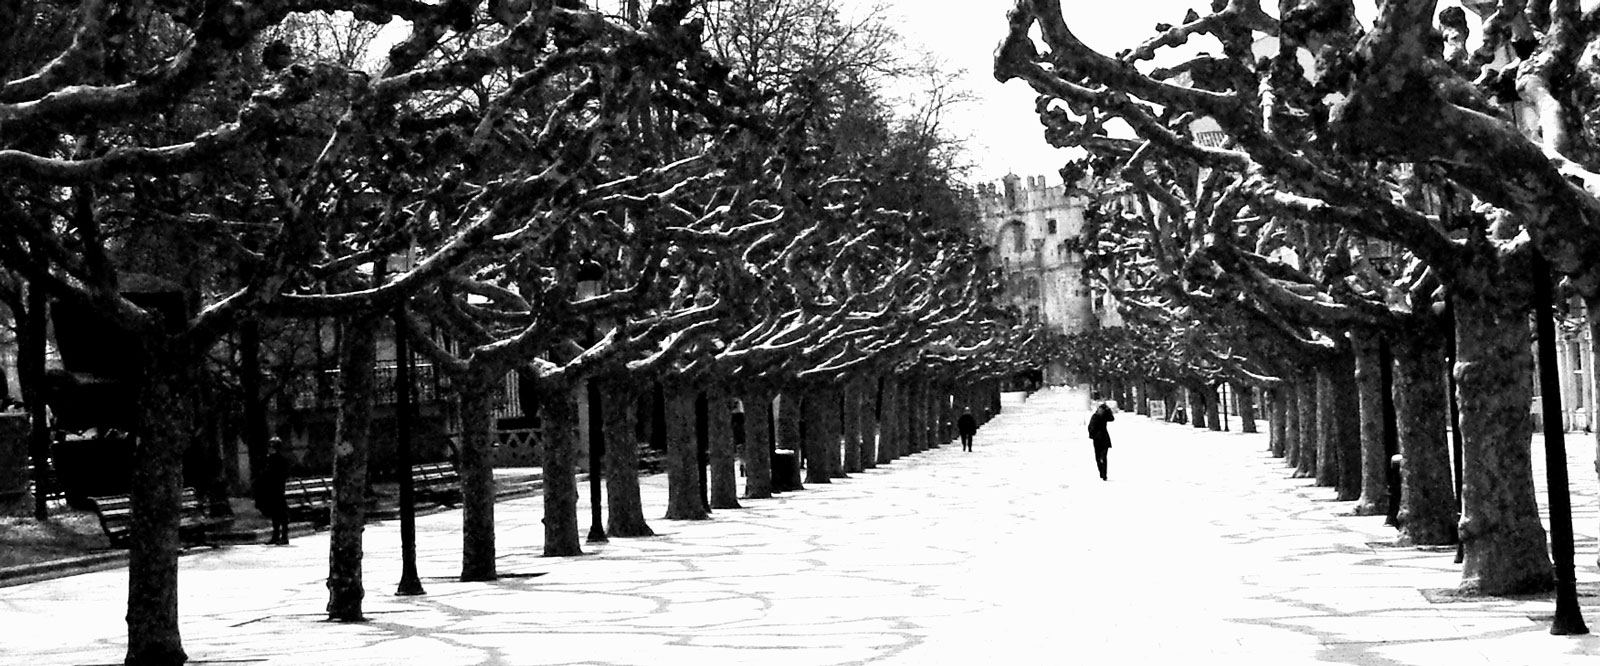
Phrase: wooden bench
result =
(309, 499)
(437, 482)
(116, 518)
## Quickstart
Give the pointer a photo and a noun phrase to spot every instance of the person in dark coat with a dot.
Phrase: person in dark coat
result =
(966, 426)
(1100, 436)
(269, 498)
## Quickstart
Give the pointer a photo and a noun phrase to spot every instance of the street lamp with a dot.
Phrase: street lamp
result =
(405, 403)
(590, 273)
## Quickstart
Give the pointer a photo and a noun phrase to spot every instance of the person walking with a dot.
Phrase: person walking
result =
(966, 426)
(269, 498)
(1100, 436)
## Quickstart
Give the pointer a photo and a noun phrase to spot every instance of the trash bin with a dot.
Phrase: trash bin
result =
(785, 470)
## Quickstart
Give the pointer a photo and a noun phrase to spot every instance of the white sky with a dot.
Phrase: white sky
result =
(1003, 132)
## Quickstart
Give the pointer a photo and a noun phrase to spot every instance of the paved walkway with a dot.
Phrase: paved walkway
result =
(1198, 550)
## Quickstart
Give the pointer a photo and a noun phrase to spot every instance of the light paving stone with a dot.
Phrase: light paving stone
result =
(1199, 549)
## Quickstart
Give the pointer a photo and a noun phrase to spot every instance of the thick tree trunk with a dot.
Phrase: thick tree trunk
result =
(477, 477)
(1428, 511)
(947, 421)
(1327, 469)
(683, 460)
(1213, 413)
(867, 421)
(349, 512)
(1247, 408)
(724, 467)
(1306, 407)
(820, 408)
(1291, 423)
(254, 405)
(1374, 497)
(1347, 419)
(889, 418)
(916, 394)
(851, 420)
(1505, 549)
(156, 493)
(757, 444)
(835, 426)
(559, 460)
(624, 507)
(1277, 421)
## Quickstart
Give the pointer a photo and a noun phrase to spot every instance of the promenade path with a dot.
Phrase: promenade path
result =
(1198, 550)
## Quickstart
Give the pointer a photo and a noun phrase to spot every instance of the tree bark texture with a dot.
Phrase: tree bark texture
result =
(890, 418)
(1505, 549)
(1305, 398)
(867, 422)
(1213, 414)
(1247, 408)
(851, 420)
(917, 416)
(254, 405)
(354, 432)
(1428, 511)
(819, 408)
(1327, 470)
(683, 460)
(836, 430)
(477, 477)
(1277, 421)
(1374, 497)
(624, 507)
(1291, 423)
(559, 461)
(724, 467)
(156, 493)
(947, 420)
(1347, 430)
(757, 444)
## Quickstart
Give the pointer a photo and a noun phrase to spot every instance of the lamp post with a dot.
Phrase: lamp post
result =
(405, 403)
(1569, 617)
(590, 273)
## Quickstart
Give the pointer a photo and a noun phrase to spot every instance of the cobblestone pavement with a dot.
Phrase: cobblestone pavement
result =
(1198, 550)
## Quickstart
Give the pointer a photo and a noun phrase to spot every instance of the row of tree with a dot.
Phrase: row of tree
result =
(713, 196)
(1357, 219)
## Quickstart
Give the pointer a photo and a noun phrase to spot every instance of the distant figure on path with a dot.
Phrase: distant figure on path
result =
(1100, 436)
(967, 427)
(269, 498)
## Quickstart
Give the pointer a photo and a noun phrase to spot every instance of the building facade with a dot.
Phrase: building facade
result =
(1036, 231)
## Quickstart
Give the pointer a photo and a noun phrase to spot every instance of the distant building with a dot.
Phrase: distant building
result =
(1036, 230)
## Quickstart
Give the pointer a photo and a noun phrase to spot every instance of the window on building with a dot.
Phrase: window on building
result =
(1050, 226)
(1019, 238)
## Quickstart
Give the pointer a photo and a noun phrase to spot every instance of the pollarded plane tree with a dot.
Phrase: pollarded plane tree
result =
(526, 310)
(1283, 270)
(109, 138)
(1301, 144)
(508, 170)
(299, 266)
(1151, 218)
(1170, 213)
